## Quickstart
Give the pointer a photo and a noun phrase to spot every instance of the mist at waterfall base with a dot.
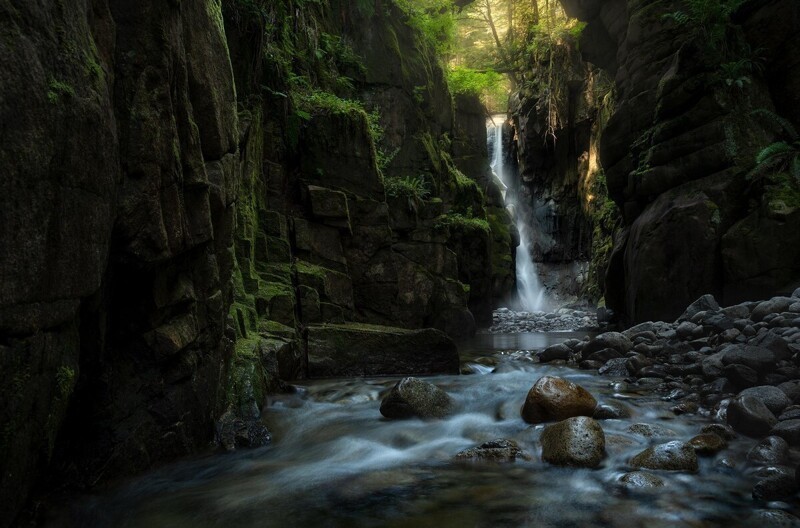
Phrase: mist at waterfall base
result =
(530, 293)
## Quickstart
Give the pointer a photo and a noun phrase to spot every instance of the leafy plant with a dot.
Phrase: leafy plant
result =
(783, 155)
(461, 222)
(415, 188)
(59, 89)
(710, 19)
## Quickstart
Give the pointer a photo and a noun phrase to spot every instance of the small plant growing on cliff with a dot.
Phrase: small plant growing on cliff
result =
(783, 155)
(59, 89)
(415, 188)
(710, 19)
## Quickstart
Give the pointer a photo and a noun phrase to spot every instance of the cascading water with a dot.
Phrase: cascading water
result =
(530, 293)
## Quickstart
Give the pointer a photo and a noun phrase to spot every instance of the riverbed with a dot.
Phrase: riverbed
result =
(335, 461)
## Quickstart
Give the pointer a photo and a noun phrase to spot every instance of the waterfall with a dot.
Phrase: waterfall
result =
(530, 293)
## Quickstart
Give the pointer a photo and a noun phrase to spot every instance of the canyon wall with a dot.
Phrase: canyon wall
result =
(191, 199)
(678, 151)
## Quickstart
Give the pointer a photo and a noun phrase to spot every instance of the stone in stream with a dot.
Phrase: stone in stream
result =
(725, 432)
(640, 480)
(500, 450)
(778, 483)
(651, 430)
(612, 340)
(611, 411)
(552, 398)
(789, 430)
(707, 444)
(577, 441)
(749, 416)
(672, 456)
(413, 397)
(771, 451)
(774, 398)
(772, 519)
(555, 352)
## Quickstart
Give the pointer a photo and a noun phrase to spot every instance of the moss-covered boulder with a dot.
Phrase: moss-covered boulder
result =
(416, 398)
(350, 349)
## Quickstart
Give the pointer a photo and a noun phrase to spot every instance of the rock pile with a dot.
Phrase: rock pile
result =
(740, 364)
(507, 321)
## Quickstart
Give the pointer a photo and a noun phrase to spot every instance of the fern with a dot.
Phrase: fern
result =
(780, 155)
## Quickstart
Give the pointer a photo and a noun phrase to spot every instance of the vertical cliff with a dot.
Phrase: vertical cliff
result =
(679, 151)
(558, 116)
(194, 192)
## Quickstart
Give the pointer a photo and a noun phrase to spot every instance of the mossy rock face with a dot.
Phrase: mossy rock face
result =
(351, 349)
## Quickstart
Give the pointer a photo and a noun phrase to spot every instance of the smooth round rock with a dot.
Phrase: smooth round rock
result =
(413, 397)
(641, 480)
(721, 430)
(500, 450)
(555, 352)
(611, 411)
(707, 444)
(552, 398)
(672, 456)
(773, 397)
(778, 485)
(789, 430)
(749, 416)
(771, 451)
(578, 442)
(651, 430)
(613, 340)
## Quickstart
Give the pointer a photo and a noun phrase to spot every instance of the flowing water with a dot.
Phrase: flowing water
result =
(335, 461)
(530, 293)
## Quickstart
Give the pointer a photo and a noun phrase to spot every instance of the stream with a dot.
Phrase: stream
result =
(335, 461)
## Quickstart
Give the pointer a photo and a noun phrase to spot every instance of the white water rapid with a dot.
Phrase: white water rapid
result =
(530, 293)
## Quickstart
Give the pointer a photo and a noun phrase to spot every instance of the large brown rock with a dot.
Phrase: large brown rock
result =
(577, 441)
(552, 399)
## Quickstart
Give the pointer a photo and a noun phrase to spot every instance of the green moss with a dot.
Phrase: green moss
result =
(65, 381)
(57, 90)
(461, 223)
(782, 189)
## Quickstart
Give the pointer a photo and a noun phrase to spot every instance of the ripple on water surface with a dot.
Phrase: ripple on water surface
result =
(336, 461)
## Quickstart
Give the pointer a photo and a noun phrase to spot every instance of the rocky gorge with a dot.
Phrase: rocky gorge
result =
(257, 257)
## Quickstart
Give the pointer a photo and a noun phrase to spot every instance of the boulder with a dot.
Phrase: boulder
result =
(771, 451)
(640, 480)
(555, 352)
(774, 398)
(778, 484)
(651, 431)
(749, 416)
(757, 358)
(771, 306)
(612, 340)
(413, 397)
(708, 444)
(499, 450)
(706, 303)
(789, 430)
(552, 398)
(577, 441)
(672, 456)
(350, 349)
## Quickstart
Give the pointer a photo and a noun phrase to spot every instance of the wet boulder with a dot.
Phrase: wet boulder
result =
(552, 398)
(555, 352)
(707, 444)
(789, 430)
(577, 442)
(413, 397)
(640, 480)
(672, 456)
(774, 398)
(771, 451)
(749, 416)
(777, 483)
(651, 430)
(499, 450)
(613, 340)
